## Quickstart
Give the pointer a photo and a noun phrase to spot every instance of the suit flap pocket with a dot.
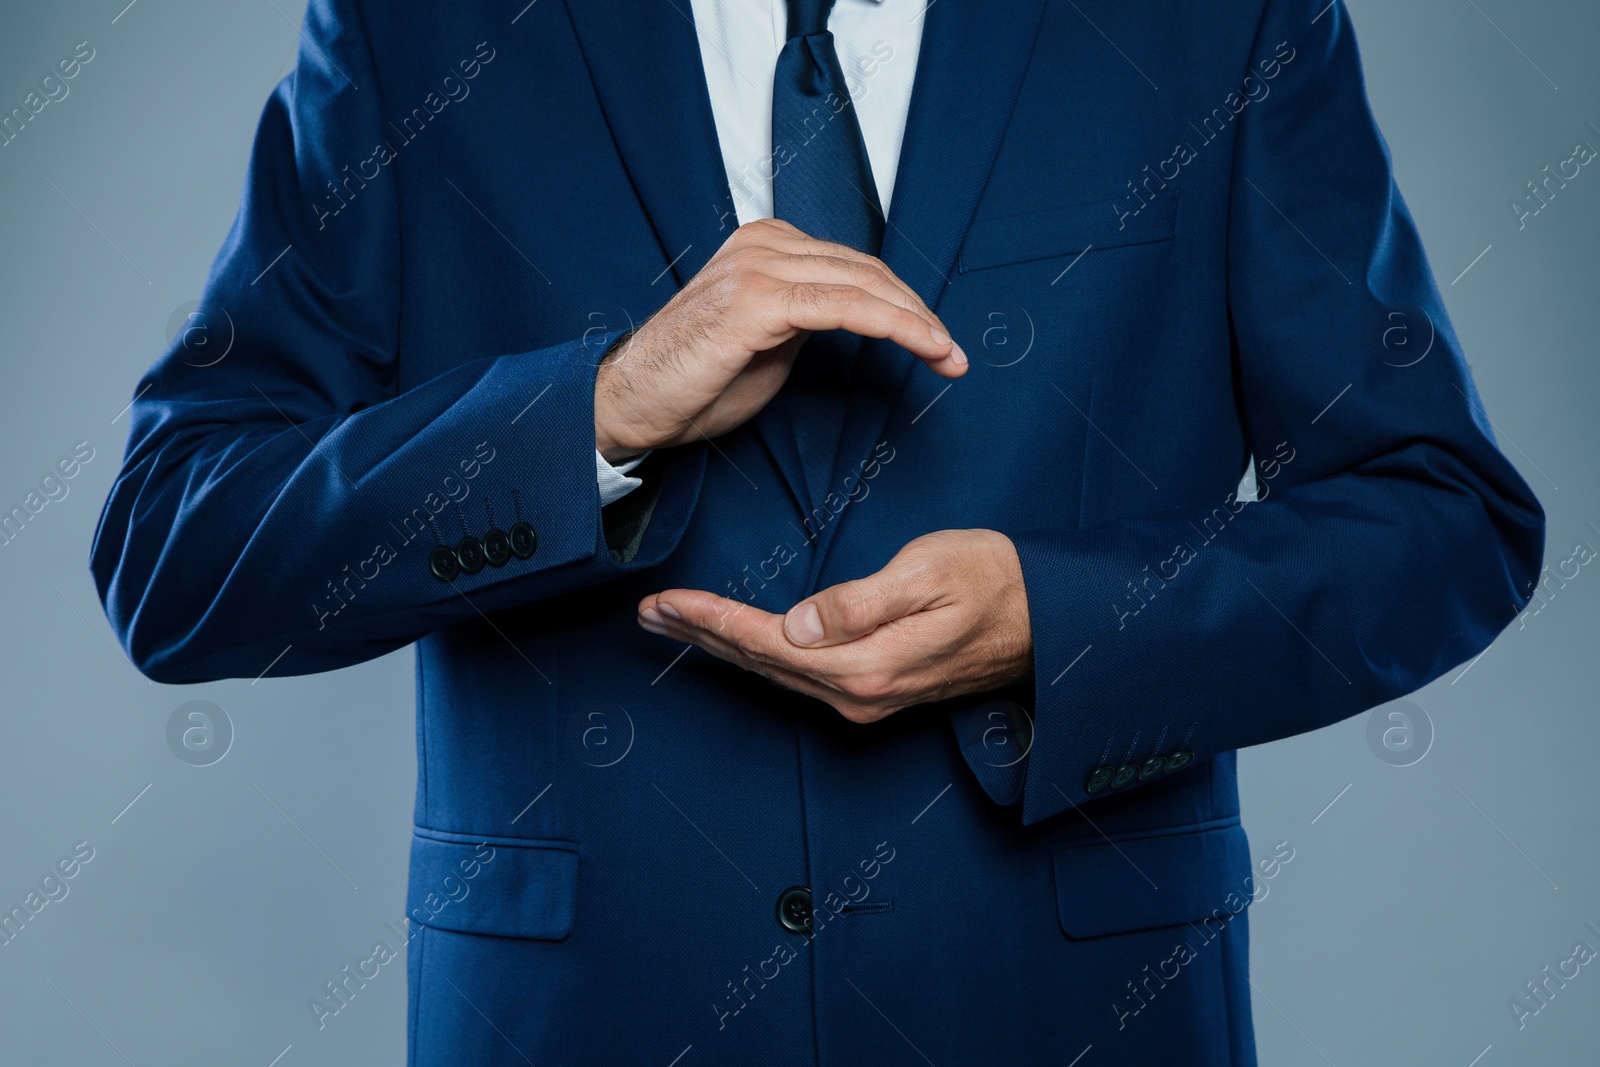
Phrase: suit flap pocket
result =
(1066, 231)
(509, 887)
(1110, 887)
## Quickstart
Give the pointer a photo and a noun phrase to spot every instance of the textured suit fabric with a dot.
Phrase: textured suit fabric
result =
(1155, 285)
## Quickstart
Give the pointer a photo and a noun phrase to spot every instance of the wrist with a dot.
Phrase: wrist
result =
(613, 449)
(608, 442)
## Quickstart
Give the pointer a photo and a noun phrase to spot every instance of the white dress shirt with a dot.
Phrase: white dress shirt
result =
(878, 42)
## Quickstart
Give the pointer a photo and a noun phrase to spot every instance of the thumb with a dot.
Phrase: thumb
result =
(852, 610)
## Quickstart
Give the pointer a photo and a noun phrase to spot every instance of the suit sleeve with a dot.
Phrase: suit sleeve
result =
(1393, 540)
(280, 497)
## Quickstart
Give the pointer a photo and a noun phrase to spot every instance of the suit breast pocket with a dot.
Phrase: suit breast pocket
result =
(1065, 232)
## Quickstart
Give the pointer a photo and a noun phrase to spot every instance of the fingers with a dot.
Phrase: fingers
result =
(863, 681)
(738, 633)
(824, 268)
(730, 622)
(842, 306)
(830, 282)
(817, 261)
(732, 652)
(850, 611)
(797, 244)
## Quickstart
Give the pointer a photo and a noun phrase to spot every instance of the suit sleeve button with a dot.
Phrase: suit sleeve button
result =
(1179, 760)
(523, 540)
(1099, 778)
(496, 546)
(469, 553)
(1124, 774)
(1152, 768)
(443, 563)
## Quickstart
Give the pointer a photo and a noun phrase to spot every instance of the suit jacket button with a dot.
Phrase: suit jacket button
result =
(1179, 760)
(523, 540)
(443, 563)
(469, 553)
(1152, 768)
(496, 546)
(794, 909)
(1098, 780)
(1124, 774)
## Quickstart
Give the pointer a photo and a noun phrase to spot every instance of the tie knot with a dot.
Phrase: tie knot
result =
(807, 17)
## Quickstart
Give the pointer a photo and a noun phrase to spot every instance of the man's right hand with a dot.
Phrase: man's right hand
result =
(722, 347)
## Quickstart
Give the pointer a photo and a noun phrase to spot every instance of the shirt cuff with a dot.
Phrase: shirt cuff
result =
(614, 482)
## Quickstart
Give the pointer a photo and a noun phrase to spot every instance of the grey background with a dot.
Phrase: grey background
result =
(1415, 906)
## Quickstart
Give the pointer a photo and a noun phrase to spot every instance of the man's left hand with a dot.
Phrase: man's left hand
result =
(947, 616)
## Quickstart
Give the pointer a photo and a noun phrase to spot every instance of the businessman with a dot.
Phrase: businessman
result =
(854, 473)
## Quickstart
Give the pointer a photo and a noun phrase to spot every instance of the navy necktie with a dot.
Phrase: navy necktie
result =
(822, 183)
(822, 180)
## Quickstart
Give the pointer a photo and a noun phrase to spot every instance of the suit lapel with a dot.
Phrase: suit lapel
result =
(969, 72)
(644, 59)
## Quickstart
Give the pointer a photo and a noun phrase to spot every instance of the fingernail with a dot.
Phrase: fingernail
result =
(958, 357)
(650, 619)
(668, 610)
(804, 625)
(939, 337)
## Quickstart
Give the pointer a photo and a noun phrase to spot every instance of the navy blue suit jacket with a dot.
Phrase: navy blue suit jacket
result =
(452, 211)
